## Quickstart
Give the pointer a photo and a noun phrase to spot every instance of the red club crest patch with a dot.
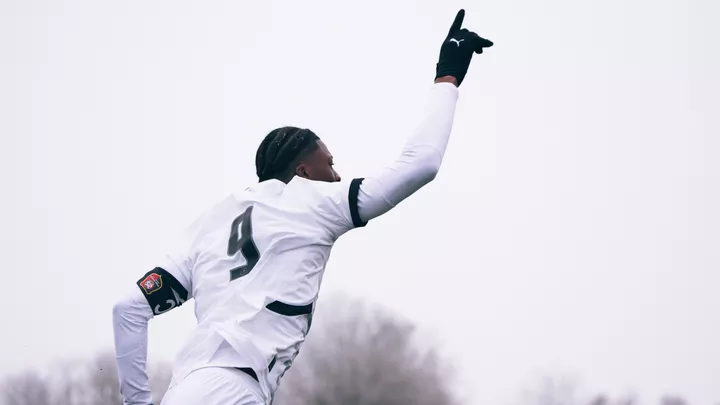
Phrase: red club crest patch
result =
(151, 283)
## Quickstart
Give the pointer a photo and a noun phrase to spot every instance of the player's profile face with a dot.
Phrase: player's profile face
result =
(319, 165)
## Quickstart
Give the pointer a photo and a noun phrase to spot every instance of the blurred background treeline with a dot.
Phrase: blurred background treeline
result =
(356, 354)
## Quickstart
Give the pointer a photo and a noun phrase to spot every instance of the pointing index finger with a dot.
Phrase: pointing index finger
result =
(457, 24)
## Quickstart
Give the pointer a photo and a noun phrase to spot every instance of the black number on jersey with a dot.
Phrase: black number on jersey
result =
(241, 241)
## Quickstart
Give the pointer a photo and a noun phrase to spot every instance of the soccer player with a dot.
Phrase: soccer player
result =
(254, 261)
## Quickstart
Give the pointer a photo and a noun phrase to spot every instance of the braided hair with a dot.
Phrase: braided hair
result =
(281, 150)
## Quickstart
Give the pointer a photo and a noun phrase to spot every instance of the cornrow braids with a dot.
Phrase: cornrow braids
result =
(280, 150)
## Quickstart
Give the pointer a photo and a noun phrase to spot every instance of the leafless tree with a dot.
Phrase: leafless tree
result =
(362, 355)
(673, 400)
(26, 388)
(604, 400)
(102, 381)
(160, 376)
(356, 354)
(599, 400)
(559, 391)
(78, 382)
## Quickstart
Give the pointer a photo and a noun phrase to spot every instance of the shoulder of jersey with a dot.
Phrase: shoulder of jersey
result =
(268, 186)
(296, 186)
(312, 187)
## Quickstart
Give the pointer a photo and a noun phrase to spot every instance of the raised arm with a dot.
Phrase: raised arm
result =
(420, 160)
(339, 206)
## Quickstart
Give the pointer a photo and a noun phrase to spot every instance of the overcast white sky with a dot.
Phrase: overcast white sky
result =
(574, 227)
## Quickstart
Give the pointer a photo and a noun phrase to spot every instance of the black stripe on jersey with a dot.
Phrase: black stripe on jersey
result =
(162, 290)
(289, 310)
(249, 372)
(353, 200)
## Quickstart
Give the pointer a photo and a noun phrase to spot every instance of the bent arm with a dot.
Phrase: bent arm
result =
(130, 325)
(157, 292)
(420, 160)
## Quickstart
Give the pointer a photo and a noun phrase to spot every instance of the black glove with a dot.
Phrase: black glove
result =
(457, 50)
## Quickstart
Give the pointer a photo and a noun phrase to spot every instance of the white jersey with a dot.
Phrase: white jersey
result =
(254, 264)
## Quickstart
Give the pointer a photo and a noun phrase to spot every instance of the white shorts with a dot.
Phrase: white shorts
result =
(215, 386)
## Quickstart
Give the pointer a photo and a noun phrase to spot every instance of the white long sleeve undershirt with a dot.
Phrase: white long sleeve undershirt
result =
(420, 160)
(131, 315)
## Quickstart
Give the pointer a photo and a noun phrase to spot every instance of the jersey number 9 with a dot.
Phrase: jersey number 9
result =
(241, 241)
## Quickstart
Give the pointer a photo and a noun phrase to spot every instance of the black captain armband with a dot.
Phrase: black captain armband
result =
(162, 291)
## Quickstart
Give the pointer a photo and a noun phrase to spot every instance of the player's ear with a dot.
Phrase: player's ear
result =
(301, 170)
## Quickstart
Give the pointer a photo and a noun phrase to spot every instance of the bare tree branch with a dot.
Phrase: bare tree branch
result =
(26, 388)
(360, 355)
